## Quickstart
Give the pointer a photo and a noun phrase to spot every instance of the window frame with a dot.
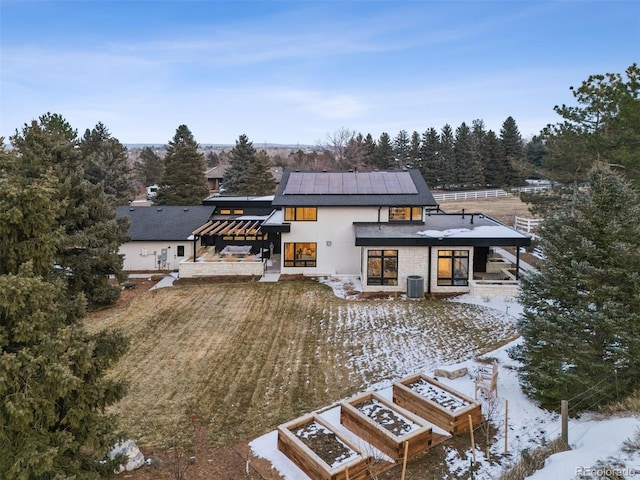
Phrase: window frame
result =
(455, 258)
(386, 258)
(412, 214)
(298, 214)
(179, 249)
(297, 249)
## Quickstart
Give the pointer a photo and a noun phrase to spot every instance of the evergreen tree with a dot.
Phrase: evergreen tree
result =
(149, 167)
(415, 159)
(603, 127)
(243, 155)
(513, 146)
(492, 154)
(582, 310)
(368, 151)
(105, 161)
(468, 169)
(259, 179)
(384, 159)
(429, 152)
(535, 153)
(87, 253)
(447, 161)
(183, 182)
(53, 390)
(401, 149)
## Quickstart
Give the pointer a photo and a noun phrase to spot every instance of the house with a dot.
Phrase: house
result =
(160, 237)
(383, 226)
(386, 227)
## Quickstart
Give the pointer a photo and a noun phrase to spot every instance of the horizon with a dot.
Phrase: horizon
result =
(293, 73)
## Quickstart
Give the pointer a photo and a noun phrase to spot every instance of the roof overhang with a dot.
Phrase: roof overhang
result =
(442, 230)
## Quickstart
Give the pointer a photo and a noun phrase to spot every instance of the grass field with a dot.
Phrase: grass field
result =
(241, 358)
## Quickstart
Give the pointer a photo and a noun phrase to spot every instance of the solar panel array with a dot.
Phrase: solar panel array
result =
(349, 183)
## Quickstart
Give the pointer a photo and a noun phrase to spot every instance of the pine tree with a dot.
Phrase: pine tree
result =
(53, 390)
(513, 146)
(149, 167)
(582, 310)
(384, 157)
(602, 127)
(468, 169)
(183, 181)
(429, 151)
(368, 151)
(401, 149)
(492, 155)
(87, 252)
(259, 179)
(447, 161)
(243, 155)
(415, 158)
(105, 161)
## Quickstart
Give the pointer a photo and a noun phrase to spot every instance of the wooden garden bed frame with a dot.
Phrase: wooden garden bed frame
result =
(377, 435)
(310, 463)
(453, 422)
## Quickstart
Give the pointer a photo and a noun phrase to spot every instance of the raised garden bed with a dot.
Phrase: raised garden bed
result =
(437, 403)
(320, 452)
(386, 426)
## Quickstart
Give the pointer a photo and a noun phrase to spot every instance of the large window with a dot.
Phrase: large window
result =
(382, 267)
(308, 214)
(300, 254)
(453, 267)
(405, 214)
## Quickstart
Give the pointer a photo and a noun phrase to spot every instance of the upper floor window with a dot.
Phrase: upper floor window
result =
(405, 214)
(227, 211)
(309, 214)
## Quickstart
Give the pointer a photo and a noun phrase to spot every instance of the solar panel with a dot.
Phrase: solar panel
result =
(350, 183)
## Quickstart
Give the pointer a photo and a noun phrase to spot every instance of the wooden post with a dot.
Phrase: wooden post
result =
(404, 460)
(346, 473)
(564, 411)
(506, 424)
(473, 442)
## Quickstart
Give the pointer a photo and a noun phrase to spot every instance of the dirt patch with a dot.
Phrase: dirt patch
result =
(386, 418)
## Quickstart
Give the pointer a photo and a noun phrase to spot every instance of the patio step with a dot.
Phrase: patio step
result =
(270, 277)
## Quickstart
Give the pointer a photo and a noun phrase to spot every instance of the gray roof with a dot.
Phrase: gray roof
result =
(356, 188)
(441, 229)
(164, 223)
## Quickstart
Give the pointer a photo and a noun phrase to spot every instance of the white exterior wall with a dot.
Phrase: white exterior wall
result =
(139, 256)
(334, 225)
(411, 261)
(415, 261)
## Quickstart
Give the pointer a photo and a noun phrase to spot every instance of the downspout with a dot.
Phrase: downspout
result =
(195, 248)
(517, 263)
(429, 272)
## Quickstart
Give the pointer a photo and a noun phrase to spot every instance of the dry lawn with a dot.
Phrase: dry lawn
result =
(504, 209)
(237, 359)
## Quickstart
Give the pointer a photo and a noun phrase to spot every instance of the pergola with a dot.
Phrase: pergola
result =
(238, 227)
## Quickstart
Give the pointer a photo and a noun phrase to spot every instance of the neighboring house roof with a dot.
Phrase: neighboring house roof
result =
(164, 223)
(377, 188)
(441, 229)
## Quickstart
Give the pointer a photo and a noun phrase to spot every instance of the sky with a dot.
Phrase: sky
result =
(298, 72)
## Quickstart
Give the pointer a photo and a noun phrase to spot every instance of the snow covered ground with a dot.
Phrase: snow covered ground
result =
(596, 445)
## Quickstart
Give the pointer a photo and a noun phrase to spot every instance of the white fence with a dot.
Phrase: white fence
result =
(470, 195)
(528, 225)
(441, 197)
